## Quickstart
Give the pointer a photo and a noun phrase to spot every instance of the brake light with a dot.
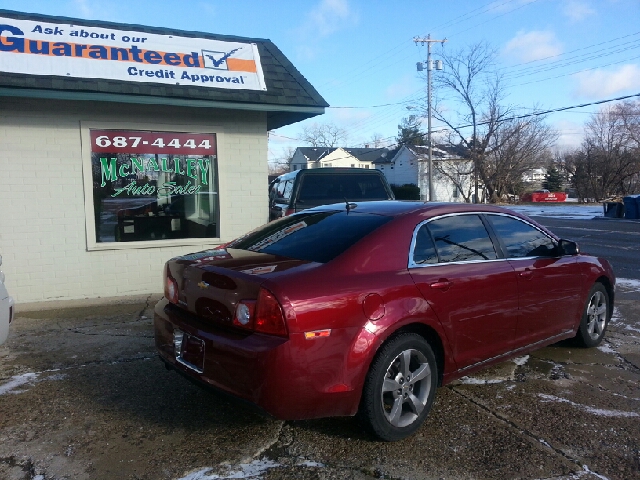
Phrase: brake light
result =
(263, 315)
(289, 211)
(170, 287)
(269, 317)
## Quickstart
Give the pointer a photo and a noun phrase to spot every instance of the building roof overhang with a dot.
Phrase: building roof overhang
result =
(288, 97)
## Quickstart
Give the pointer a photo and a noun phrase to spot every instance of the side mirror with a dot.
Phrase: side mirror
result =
(567, 247)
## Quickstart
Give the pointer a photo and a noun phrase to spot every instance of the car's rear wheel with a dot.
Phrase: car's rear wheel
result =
(400, 387)
(595, 317)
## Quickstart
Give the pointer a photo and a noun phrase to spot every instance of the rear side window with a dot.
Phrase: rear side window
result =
(521, 239)
(424, 252)
(333, 188)
(313, 236)
(461, 238)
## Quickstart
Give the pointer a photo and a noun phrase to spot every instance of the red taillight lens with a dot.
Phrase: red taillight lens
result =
(170, 287)
(289, 211)
(269, 317)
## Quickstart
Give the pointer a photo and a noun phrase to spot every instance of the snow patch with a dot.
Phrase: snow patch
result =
(601, 477)
(607, 349)
(628, 284)
(615, 317)
(477, 381)
(309, 463)
(254, 469)
(596, 411)
(16, 382)
(519, 361)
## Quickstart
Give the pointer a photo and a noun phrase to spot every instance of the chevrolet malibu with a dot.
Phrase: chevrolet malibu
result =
(367, 308)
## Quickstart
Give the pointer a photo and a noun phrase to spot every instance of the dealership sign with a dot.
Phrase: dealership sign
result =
(39, 48)
(144, 163)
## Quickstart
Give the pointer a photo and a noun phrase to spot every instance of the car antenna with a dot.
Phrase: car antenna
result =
(350, 206)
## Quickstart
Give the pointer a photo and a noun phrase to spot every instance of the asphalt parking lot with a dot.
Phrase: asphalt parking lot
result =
(83, 396)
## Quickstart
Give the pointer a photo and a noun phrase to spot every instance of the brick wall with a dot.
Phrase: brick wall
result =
(43, 238)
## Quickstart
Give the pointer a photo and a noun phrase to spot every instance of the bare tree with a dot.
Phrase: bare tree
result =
(282, 163)
(471, 99)
(608, 162)
(377, 141)
(518, 147)
(324, 135)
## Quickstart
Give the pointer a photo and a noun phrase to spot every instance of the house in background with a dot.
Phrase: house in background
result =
(534, 178)
(323, 157)
(409, 165)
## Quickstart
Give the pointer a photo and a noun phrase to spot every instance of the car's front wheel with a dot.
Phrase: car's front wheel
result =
(400, 387)
(595, 317)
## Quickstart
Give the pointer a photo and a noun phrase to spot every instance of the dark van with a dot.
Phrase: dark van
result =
(295, 191)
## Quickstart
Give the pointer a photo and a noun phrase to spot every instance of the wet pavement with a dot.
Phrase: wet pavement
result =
(83, 396)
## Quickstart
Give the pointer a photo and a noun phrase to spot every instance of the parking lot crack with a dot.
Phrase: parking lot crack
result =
(536, 439)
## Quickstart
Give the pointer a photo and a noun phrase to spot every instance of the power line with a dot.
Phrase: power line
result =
(516, 117)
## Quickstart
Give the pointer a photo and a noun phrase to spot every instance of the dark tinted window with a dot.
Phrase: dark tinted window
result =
(461, 238)
(424, 251)
(521, 239)
(315, 236)
(333, 188)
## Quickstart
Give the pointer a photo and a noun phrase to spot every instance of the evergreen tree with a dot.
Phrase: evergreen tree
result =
(553, 180)
(409, 132)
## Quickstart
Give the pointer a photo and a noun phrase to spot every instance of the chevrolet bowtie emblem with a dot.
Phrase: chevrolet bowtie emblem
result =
(203, 285)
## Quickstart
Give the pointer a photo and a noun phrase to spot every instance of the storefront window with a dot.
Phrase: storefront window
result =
(154, 185)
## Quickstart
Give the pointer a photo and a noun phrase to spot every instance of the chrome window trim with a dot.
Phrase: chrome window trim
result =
(412, 264)
(553, 240)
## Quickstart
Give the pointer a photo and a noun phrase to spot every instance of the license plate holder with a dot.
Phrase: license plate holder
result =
(192, 353)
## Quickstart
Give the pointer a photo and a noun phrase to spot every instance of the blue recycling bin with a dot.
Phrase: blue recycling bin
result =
(632, 207)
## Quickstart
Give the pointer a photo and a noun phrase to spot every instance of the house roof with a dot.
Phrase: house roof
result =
(313, 154)
(421, 152)
(288, 97)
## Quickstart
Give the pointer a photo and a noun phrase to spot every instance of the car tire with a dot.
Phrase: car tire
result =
(595, 318)
(400, 388)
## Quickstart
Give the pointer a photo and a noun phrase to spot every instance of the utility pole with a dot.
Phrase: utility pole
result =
(429, 41)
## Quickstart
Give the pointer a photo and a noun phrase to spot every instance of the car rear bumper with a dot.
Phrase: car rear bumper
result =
(270, 372)
(6, 317)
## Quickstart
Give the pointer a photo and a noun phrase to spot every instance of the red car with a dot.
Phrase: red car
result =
(367, 308)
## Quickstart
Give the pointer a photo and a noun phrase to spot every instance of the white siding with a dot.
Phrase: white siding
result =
(43, 238)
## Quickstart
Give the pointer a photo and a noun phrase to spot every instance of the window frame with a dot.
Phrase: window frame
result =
(498, 244)
(503, 246)
(90, 226)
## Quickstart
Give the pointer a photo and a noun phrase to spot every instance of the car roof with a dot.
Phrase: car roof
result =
(329, 171)
(401, 207)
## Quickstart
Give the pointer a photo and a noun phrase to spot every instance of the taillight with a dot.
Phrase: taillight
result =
(263, 316)
(243, 317)
(289, 211)
(170, 287)
(269, 316)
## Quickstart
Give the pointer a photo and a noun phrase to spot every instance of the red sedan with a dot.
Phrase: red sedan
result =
(367, 308)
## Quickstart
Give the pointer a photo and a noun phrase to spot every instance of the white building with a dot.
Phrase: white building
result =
(116, 158)
(409, 165)
(323, 157)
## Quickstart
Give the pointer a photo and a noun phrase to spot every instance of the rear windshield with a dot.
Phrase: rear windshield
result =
(333, 188)
(313, 236)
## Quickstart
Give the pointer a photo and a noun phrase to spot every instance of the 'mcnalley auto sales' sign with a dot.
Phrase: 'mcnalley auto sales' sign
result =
(38, 48)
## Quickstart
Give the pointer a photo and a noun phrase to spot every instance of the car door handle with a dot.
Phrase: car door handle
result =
(441, 284)
(526, 273)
